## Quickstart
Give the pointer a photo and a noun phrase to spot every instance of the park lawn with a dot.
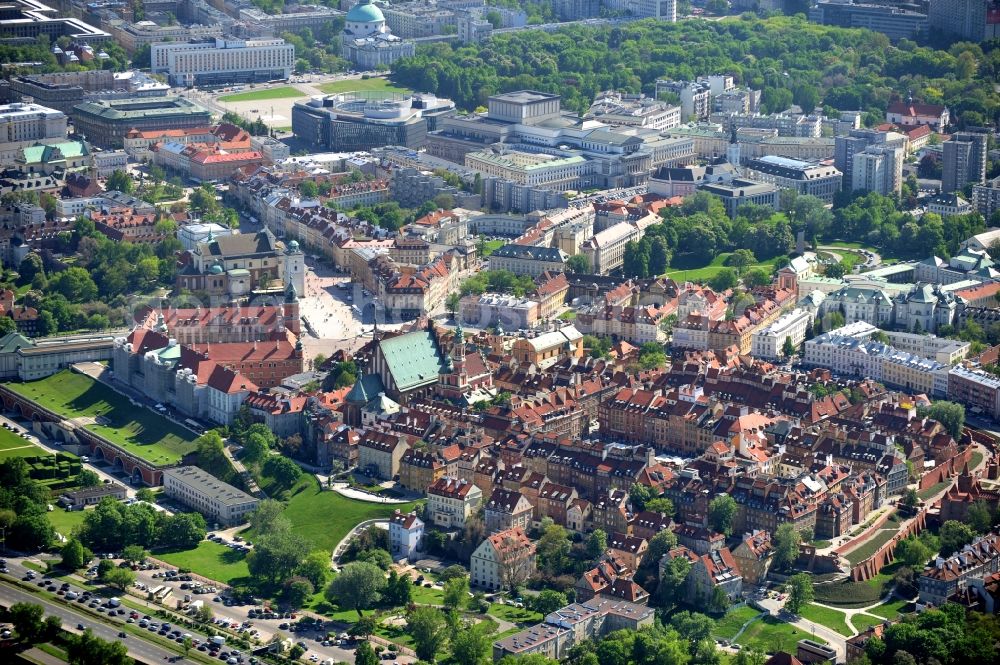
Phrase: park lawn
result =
(281, 92)
(374, 84)
(516, 615)
(491, 246)
(136, 429)
(712, 269)
(727, 627)
(64, 521)
(771, 635)
(832, 619)
(325, 517)
(863, 622)
(212, 560)
(11, 445)
(892, 609)
(424, 596)
(870, 546)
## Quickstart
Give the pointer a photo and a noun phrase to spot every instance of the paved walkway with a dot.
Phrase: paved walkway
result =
(344, 489)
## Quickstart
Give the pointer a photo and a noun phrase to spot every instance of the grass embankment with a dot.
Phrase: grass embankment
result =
(281, 92)
(111, 415)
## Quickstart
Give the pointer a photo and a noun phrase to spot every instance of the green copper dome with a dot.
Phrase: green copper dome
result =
(365, 12)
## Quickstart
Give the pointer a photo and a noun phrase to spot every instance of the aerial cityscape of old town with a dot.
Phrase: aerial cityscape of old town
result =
(514, 332)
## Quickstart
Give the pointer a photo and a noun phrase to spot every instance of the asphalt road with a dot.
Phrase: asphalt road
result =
(137, 647)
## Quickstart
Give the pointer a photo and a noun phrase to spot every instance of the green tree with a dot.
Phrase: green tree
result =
(378, 556)
(693, 627)
(146, 494)
(639, 494)
(980, 517)
(282, 470)
(835, 270)
(578, 263)
(788, 348)
(275, 556)
(120, 578)
(86, 649)
(308, 189)
(456, 592)
(548, 601)
(315, 568)
(661, 505)
(429, 630)
(120, 181)
(597, 544)
(912, 552)
(950, 414)
(756, 277)
(88, 478)
(672, 581)
(74, 555)
(452, 303)
(786, 545)
(134, 553)
(750, 655)
(30, 267)
(800, 592)
(27, 621)
(365, 655)
(359, 585)
(954, 536)
(721, 513)
(553, 550)
(660, 544)
(296, 591)
(740, 260)
(724, 280)
(471, 646)
(268, 518)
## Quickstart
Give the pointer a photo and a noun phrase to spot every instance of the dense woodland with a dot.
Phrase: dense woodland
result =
(790, 59)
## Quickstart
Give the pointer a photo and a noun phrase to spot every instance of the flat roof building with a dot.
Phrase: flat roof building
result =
(106, 123)
(813, 178)
(223, 61)
(22, 124)
(216, 500)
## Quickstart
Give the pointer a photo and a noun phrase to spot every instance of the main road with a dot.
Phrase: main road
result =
(138, 648)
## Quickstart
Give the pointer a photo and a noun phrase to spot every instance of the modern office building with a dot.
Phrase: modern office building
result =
(894, 22)
(106, 123)
(969, 20)
(223, 61)
(813, 178)
(362, 121)
(22, 125)
(64, 90)
(964, 160)
(217, 501)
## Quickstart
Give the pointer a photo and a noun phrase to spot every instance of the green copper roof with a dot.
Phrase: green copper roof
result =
(172, 352)
(413, 359)
(13, 341)
(39, 154)
(365, 12)
(365, 389)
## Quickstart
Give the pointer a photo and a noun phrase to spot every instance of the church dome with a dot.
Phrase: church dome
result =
(365, 12)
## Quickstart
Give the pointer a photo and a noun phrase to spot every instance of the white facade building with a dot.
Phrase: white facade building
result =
(223, 61)
(406, 531)
(23, 124)
(769, 342)
(216, 500)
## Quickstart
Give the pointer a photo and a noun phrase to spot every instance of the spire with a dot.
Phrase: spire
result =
(291, 295)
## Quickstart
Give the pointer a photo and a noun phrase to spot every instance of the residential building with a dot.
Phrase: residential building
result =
(380, 454)
(507, 509)
(944, 578)
(494, 309)
(504, 560)
(419, 469)
(859, 141)
(878, 169)
(977, 389)
(622, 109)
(610, 578)
(986, 197)
(695, 98)
(223, 61)
(964, 160)
(968, 20)
(547, 348)
(451, 501)
(753, 556)
(406, 533)
(218, 501)
(606, 249)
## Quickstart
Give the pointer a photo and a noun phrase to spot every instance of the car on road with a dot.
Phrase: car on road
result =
(80, 626)
(122, 634)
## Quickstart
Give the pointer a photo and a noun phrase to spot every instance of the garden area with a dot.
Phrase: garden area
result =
(771, 635)
(730, 624)
(281, 92)
(110, 415)
(832, 619)
(12, 445)
(211, 560)
(871, 545)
